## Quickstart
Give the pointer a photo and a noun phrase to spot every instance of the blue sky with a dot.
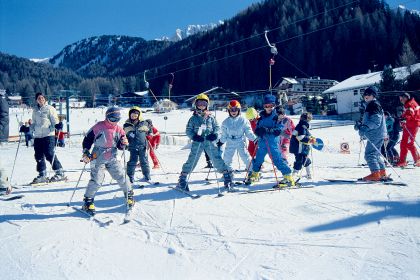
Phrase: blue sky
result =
(42, 28)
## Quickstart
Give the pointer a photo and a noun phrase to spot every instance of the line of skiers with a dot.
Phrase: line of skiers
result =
(373, 128)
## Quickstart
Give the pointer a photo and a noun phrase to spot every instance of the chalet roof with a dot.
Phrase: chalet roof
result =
(369, 79)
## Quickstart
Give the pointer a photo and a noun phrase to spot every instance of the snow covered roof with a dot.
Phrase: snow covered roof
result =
(369, 79)
(290, 80)
(141, 93)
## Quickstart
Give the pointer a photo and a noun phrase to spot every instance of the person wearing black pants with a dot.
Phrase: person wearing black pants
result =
(45, 121)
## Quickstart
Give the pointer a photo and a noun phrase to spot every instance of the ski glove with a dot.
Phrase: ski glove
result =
(198, 138)
(275, 131)
(211, 137)
(261, 131)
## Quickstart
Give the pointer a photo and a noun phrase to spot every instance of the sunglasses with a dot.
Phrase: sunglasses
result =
(234, 109)
(201, 103)
(268, 106)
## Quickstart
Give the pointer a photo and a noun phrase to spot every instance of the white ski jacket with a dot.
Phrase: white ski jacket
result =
(235, 129)
(44, 120)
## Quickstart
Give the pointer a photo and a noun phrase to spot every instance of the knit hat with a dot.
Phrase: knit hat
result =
(38, 94)
(269, 99)
(113, 114)
(372, 90)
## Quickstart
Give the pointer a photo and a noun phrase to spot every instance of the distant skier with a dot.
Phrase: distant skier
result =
(300, 145)
(203, 130)
(288, 127)
(45, 122)
(373, 128)
(252, 115)
(59, 134)
(410, 122)
(137, 130)
(106, 137)
(268, 131)
(393, 129)
(235, 130)
(154, 141)
(4, 137)
(27, 132)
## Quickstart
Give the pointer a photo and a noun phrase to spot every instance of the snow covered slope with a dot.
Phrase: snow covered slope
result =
(330, 231)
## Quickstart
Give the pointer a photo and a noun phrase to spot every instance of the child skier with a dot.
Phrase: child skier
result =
(268, 131)
(203, 130)
(373, 128)
(300, 145)
(107, 137)
(234, 130)
(288, 127)
(26, 130)
(154, 141)
(410, 122)
(252, 115)
(393, 129)
(137, 129)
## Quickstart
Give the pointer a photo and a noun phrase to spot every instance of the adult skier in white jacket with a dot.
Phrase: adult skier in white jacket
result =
(234, 130)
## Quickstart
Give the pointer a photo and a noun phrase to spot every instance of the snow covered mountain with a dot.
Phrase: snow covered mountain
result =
(181, 34)
(105, 54)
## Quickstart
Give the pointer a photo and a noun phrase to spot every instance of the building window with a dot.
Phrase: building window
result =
(356, 104)
(355, 92)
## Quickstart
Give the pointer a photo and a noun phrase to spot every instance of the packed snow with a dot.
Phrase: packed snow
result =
(329, 231)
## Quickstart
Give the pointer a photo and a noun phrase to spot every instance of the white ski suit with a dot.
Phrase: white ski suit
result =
(234, 131)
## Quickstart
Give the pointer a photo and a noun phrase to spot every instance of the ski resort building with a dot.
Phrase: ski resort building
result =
(347, 94)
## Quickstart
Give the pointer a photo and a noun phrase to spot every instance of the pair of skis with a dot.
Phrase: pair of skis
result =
(104, 222)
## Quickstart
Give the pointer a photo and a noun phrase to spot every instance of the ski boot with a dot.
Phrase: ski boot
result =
(40, 179)
(89, 207)
(308, 172)
(287, 181)
(156, 166)
(228, 180)
(58, 176)
(130, 200)
(182, 182)
(253, 177)
(384, 176)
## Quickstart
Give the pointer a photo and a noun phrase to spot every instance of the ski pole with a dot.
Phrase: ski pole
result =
(271, 157)
(411, 135)
(386, 160)
(160, 164)
(360, 151)
(250, 162)
(14, 162)
(125, 178)
(208, 174)
(195, 161)
(77, 184)
(219, 194)
(55, 149)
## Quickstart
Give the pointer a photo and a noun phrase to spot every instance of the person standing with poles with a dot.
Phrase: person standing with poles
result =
(137, 130)
(300, 145)
(288, 127)
(203, 130)
(4, 137)
(410, 122)
(373, 128)
(235, 130)
(268, 131)
(107, 137)
(154, 141)
(45, 122)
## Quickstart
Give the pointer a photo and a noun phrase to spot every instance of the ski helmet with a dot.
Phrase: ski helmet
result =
(234, 104)
(269, 99)
(203, 97)
(251, 113)
(113, 114)
(133, 109)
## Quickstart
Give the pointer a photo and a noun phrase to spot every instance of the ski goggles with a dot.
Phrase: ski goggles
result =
(201, 103)
(268, 105)
(234, 109)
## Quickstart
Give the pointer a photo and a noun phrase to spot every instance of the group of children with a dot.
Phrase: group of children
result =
(269, 132)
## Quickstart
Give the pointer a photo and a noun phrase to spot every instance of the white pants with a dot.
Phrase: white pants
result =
(233, 145)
